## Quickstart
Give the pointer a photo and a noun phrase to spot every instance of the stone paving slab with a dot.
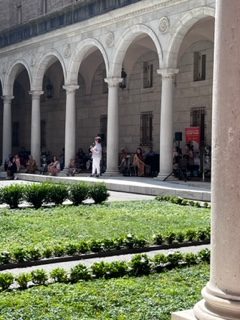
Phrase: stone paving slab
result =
(146, 186)
(88, 262)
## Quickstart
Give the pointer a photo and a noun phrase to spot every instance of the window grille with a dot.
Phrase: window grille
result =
(199, 67)
(147, 75)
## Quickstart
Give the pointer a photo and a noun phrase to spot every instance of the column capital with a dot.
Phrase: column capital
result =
(7, 98)
(70, 88)
(36, 93)
(113, 81)
(168, 73)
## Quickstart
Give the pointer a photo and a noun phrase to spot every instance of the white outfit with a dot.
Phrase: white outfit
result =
(96, 157)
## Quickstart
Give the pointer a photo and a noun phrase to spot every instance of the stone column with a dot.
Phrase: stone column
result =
(166, 123)
(112, 127)
(70, 124)
(7, 127)
(36, 126)
(221, 296)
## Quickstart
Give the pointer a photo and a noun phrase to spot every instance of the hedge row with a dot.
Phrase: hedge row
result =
(138, 266)
(183, 202)
(21, 254)
(38, 194)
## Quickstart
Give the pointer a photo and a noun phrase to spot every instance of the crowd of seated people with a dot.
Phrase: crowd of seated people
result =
(19, 163)
(139, 164)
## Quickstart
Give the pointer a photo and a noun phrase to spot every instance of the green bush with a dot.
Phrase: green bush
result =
(140, 265)
(180, 236)
(59, 275)
(95, 245)
(5, 257)
(170, 237)
(12, 195)
(36, 194)
(20, 254)
(83, 247)
(191, 235)
(34, 253)
(57, 193)
(100, 269)
(175, 258)
(6, 280)
(98, 192)
(158, 239)
(190, 259)
(71, 249)
(204, 255)
(79, 272)
(78, 193)
(59, 250)
(39, 276)
(47, 252)
(159, 262)
(23, 279)
(117, 269)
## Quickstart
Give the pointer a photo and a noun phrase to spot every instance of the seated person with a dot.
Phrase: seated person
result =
(11, 167)
(72, 168)
(124, 162)
(54, 167)
(138, 162)
(31, 165)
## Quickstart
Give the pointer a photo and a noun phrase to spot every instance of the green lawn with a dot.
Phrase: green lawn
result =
(68, 223)
(146, 298)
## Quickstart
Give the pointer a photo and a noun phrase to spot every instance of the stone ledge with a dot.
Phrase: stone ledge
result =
(183, 315)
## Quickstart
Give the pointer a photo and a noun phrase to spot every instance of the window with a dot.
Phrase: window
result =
(15, 134)
(199, 66)
(198, 120)
(146, 128)
(103, 129)
(147, 75)
(43, 134)
(44, 6)
(19, 13)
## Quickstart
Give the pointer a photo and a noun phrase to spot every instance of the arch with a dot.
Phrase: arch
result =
(126, 39)
(43, 64)
(182, 28)
(12, 74)
(80, 53)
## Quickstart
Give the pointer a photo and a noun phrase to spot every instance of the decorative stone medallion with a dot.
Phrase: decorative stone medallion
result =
(110, 39)
(164, 24)
(67, 51)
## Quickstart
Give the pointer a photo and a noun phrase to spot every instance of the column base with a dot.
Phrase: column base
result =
(183, 315)
(165, 176)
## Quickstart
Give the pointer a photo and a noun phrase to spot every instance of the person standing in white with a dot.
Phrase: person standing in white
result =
(96, 157)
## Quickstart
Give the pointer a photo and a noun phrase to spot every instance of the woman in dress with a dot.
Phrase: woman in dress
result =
(54, 167)
(138, 162)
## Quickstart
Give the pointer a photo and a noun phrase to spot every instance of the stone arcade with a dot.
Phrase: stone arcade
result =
(61, 68)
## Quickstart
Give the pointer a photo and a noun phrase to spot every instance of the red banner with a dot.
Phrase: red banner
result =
(192, 134)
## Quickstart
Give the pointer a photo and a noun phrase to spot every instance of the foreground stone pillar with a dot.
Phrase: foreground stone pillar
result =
(70, 124)
(112, 127)
(36, 127)
(221, 296)
(7, 127)
(166, 126)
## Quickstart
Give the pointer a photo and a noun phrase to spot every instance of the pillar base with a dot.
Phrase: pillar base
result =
(183, 315)
(165, 176)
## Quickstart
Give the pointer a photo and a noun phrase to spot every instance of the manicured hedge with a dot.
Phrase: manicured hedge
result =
(183, 202)
(129, 241)
(44, 193)
(139, 265)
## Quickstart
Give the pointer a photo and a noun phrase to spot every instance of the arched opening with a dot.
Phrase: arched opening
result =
(193, 94)
(91, 100)
(140, 100)
(53, 107)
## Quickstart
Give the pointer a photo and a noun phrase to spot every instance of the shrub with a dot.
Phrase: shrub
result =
(5, 257)
(98, 192)
(36, 194)
(39, 276)
(78, 193)
(59, 250)
(79, 272)
(204, 255)
(47, 252)
(100, 269)
(95, 245)
(140, 265)
(175, 258)
(59, 275)
(34, 253)
(83, 247)
(20, 254)
(57, 193)
(180, 237)
(12, 195)
(159, 262)
(170, 237)
(23, 279)
(6, 280)
(190, 259)
(71, 249)
(191, 235)
(117, 269)
(158, 239)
